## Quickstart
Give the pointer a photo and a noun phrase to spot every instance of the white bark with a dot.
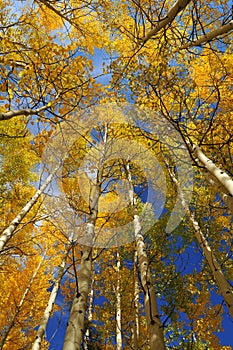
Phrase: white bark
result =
(118, 306)
(89, 318)
(49, 308)
(220, 176)
(154, 325)
(135, 328)
(178, 7)
(210, 36)
(21, 112)
(19, 306)
(226, 198)
(9, 232)
(75, 328)
(225, 288)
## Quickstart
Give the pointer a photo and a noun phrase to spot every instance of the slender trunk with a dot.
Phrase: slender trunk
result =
(135, 328)
(154, 325)
(89, 317)
(75, 327)
(9, 232)
(118, 306)
(49, 308)
(225, 288)
(222, 178)
(19, 306)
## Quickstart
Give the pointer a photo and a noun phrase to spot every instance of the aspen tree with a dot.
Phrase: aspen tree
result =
(118, 304)
(49, 308)
(222, 178)
(214, 34)
(9, 232)
(75, 327)
(171, 15)
(154, 325)
(90, 314)
(20, 305)
(135, 326)
(224, 286)
(46, 75)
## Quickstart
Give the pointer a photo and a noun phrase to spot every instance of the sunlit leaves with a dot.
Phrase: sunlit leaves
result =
(47, 60)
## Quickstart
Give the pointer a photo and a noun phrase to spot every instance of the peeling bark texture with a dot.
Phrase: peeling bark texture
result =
(224, 286)
(8, 233)
(210, 36)
(154, 325)
(18, 308)
(49, 308)
(178, 7)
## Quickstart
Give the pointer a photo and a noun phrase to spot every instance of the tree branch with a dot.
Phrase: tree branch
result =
(211, 35)
(25, 112)
(178, 7)
(220, 176)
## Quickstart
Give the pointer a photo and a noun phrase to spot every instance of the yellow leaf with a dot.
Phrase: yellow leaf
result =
(10, 93)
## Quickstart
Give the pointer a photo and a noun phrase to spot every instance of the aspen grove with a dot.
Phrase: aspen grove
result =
(116, 174)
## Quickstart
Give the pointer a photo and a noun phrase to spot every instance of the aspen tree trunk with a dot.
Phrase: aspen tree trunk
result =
(225, 288)
(118, 305)
(49, 308)
(135, 328)
(154, 325)
(75, 327)
(90, 315)
(222, 178)
(18, 308)
(9, 232)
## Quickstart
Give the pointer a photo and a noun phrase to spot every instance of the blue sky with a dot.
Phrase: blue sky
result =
(57, 324)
